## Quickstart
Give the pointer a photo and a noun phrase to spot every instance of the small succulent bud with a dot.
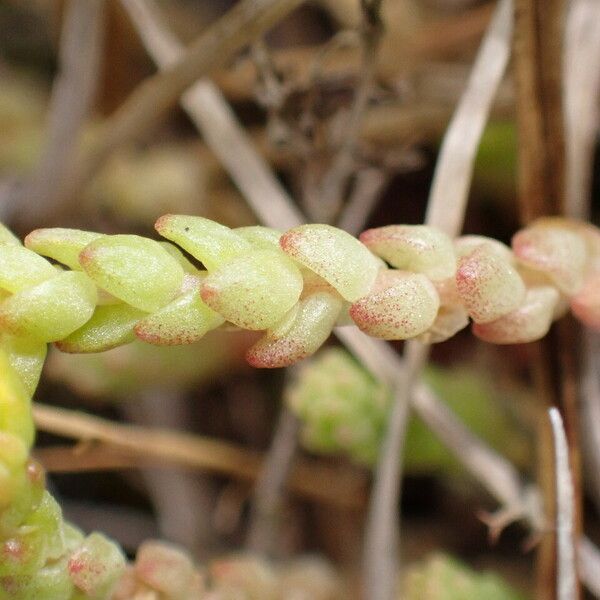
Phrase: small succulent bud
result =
(21, 268)
(554, 249)
(488, 285)
(254, 291)
(401, 306)
(110, 326)
(136, 270)
(527, 323)
(417, 248)
(340, 259)
(63, 245)
(210, 242)
(300, 334)
(50, 310)
(96, 566)
(164, 568)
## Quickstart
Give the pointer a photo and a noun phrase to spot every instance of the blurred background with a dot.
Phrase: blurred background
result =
(294, 92)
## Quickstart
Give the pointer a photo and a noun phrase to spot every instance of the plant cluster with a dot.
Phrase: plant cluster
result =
(100, 291)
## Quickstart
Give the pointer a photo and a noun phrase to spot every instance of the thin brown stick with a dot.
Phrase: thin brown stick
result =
(582, 95)
(539, 43)
(310, 479)
(71, 101)
(269, 490)
(382, 528)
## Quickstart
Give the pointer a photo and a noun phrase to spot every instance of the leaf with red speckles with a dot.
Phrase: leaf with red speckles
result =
(185, 320)
(554, 249)
(254, 291)
(488, 286)
(96, 566)
(416, 248)
(63, 245)
(402, 305)
(527, 323)
(300, 334)
(586, 303)
(165, 568)
(340, 259)
(208, 241)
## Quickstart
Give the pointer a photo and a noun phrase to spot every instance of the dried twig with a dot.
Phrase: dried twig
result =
(309, 478)
(269, 491)
(365, 194)
(582, 91)
(565, 513)
(539, 37)
(590, 411)
(452, 178)
(330, 191)
(70, 104)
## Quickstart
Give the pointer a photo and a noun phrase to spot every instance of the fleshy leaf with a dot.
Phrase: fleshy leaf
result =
(335, 255)
(465, 244)
(26, 357)
(300, 334)
(416, 248)
(185, 320)
(7, 236)
(254, 291)
(15, 404)
(586, 303)
(110, 326)
(488, 285)
(96, 566)
(401, 306)
(165, 568)
(208, 241)
(21, 268)
(265, 238)
(527, 323)
(448, 322)
(178, 255)
(50, 310)
(63, 245)
(136, 270)
(554, 249)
